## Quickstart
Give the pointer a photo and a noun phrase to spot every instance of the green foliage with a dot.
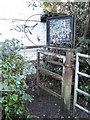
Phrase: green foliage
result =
(83, 46)
(79, 10)
(13, 83)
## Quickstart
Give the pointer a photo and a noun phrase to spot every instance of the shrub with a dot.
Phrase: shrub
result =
(14, 95)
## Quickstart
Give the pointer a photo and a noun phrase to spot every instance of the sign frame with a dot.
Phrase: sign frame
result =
(61, 31)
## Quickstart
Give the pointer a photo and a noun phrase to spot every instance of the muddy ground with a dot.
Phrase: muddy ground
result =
(48, 106)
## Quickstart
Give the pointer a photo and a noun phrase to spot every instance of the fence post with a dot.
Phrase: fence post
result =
(67, 79)
(38, 74)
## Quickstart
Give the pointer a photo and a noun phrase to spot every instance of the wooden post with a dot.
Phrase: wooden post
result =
(67, 79)
(38, 74)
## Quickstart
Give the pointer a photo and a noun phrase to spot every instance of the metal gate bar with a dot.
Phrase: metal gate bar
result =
(76, 89)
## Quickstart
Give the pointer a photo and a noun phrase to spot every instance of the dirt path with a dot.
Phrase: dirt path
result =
(47, 106)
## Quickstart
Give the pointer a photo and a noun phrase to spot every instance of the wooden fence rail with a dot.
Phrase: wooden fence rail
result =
(66, 77)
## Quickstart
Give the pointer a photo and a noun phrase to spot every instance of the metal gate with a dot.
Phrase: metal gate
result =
(77, 74)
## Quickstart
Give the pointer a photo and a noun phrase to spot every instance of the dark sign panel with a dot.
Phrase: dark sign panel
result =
(60, 31)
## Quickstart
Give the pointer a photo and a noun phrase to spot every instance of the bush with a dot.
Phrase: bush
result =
(13, 83)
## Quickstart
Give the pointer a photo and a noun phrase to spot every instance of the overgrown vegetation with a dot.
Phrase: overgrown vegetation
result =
(12, 64)
(81, 11)
(13, 86)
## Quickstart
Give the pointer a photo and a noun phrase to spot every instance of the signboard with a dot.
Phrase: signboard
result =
(60, 31)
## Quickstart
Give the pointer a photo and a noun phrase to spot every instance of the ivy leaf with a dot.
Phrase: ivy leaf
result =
(15, 97)
(19, 77)
(27, 97)
(2, 100)
(6, 109)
